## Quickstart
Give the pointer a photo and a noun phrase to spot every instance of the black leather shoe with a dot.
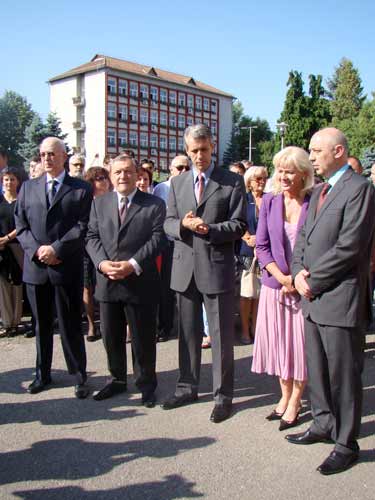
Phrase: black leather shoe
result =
(149, 400)
(112, 389)
(162, 336)
(307, 437)
(81, 391)
(337, 462)
(221, 413)
(177, 401)
(38, 385)
(29, 334)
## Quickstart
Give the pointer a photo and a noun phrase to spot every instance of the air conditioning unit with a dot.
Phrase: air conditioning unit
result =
(154, 152)
(190, 111)
(78, 101)
(80, 126)
(154, 128)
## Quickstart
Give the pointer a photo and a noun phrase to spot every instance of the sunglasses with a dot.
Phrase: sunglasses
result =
(260, 179)
(182, 167)
(100, 178)
(77, 164)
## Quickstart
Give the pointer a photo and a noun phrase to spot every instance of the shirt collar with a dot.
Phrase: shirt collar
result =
(129, 196)
(206, 174)
(337, 175)
(60, 178)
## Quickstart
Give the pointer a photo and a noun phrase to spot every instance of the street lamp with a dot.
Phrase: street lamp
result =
(250, 129)
(282, 126)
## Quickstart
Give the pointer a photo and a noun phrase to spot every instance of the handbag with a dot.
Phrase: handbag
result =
(254, 279)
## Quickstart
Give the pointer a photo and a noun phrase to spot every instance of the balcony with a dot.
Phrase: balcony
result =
(78, 101)
(79, 126)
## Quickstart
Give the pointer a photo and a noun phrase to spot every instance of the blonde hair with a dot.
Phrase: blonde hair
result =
(298, 158)
(251, 173)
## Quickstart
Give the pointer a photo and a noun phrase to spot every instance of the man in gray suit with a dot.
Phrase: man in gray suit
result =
(206, 215)
(331, 272)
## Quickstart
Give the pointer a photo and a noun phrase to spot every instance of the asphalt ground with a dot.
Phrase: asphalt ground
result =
(56, 447)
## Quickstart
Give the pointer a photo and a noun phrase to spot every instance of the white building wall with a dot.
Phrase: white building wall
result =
(94, 91)
(61, 103)
(225, 129)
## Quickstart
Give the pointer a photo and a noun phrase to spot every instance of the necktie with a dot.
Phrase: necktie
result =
(122, 208)
(52, 192)
(200, 187)
(322, 196)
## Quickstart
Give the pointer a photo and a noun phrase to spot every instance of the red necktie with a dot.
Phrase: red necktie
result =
(122, 209)
(322, 196)
(200, 187)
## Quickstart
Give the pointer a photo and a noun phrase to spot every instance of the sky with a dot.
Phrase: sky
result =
(244, 47)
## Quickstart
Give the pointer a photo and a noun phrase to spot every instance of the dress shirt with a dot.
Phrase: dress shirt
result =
(59, 180)
(206, 176)
(336, 176)
(162, 190)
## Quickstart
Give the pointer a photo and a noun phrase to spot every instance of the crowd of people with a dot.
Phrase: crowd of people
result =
(291, 253)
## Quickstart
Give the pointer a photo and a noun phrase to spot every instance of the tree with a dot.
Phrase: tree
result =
(346, 92)
(368, 158)
(15, 115)
(53, 127)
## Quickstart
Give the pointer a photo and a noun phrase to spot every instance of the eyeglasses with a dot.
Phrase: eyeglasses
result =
(100, 178)
(260, 179)
(78, 164)
(182, 167)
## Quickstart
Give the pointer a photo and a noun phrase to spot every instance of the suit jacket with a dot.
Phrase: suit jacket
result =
(63, 226)
(209, 258)
(252, 223)
(335, 248)
(270, 235)
(141, 237)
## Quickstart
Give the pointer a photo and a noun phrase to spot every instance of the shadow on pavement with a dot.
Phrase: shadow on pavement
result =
(171, 487)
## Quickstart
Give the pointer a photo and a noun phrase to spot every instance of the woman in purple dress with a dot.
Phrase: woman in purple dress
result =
(279, 338)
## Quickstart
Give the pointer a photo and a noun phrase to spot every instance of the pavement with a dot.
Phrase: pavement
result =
(56, 447)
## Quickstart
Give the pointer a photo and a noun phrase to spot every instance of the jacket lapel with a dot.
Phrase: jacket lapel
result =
(64, 188)
(135, 206)
(212, 186)
(41, 190)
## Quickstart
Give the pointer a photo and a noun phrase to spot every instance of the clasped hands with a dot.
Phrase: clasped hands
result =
(116, 270)
(47, 255)
(195, 224)
(302, 286)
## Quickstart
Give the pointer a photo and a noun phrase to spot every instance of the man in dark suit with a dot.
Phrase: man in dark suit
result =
(124, 238)
(206, 215)
(331, 272)
(51, 215)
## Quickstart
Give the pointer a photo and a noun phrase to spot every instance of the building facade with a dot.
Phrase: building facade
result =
(108, 105)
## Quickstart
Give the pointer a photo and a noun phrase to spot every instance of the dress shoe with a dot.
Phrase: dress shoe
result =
(177, 401)
(307, 437)
(29, 334)
(149, 400)
(337, 462)
(286, 424)
(221, 413)
(38, 385)
(162, 336)
(274, 415)
(109, 390)
(93, 338)
(81, 391)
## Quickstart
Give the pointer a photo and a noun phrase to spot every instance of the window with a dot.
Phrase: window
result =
(154, 141)
(111, 86)
(206, 104)
(213, 128)
(172, 143)
(133, 139)
(181, 121)
(144, 91)
(123, 87)
(123, 113)
(190, 101)
(163, 96)
(143, 140)
(133, 89)
(122, 138)
(163, 119)
(163, 164)
(172, 121)
(144, 116)
(181, 144)
(198, 103)
(189, 121)
(154, 94)
(206, 122)
(213, 106)
(111, 111)
(172, 98)
(154, 117)
(163, 143)
(111, 137)
(133, 114)
(181, 99)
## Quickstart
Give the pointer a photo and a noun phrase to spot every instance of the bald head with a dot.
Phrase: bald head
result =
(179, 164)
(53, 155)
(328, 151)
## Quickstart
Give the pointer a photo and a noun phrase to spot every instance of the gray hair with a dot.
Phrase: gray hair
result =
(77, 157)
(60, 142)
(253, 172)
(124, 157)
(198, 131)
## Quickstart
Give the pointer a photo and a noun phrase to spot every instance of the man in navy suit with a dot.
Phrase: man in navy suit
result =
(51, 216)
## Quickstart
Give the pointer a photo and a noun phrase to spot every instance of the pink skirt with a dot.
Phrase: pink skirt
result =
(279, 347)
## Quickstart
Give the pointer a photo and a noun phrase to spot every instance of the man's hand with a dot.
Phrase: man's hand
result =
(116, 270)
(301, 284)
(194, 224)
(47, 255)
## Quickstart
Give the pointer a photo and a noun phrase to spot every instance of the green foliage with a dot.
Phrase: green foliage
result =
(368, 158)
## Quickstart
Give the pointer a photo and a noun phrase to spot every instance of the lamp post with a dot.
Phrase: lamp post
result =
(250, 129)
(282, 126)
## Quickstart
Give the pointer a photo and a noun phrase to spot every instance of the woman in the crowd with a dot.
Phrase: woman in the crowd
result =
(255, 181)
(99, 179)
(144, 180)
(279, 339)
(11, 255)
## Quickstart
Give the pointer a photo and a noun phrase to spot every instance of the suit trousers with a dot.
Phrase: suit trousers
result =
(67, 299)
(220, 314)
(167, 297)
(334, 366)
(141, 319)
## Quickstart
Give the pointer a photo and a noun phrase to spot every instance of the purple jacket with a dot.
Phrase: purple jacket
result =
(270, 245)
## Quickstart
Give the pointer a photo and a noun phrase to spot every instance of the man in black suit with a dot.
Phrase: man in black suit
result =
(332, 274)
(51, 215)
(124, 238)
(206, 215)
